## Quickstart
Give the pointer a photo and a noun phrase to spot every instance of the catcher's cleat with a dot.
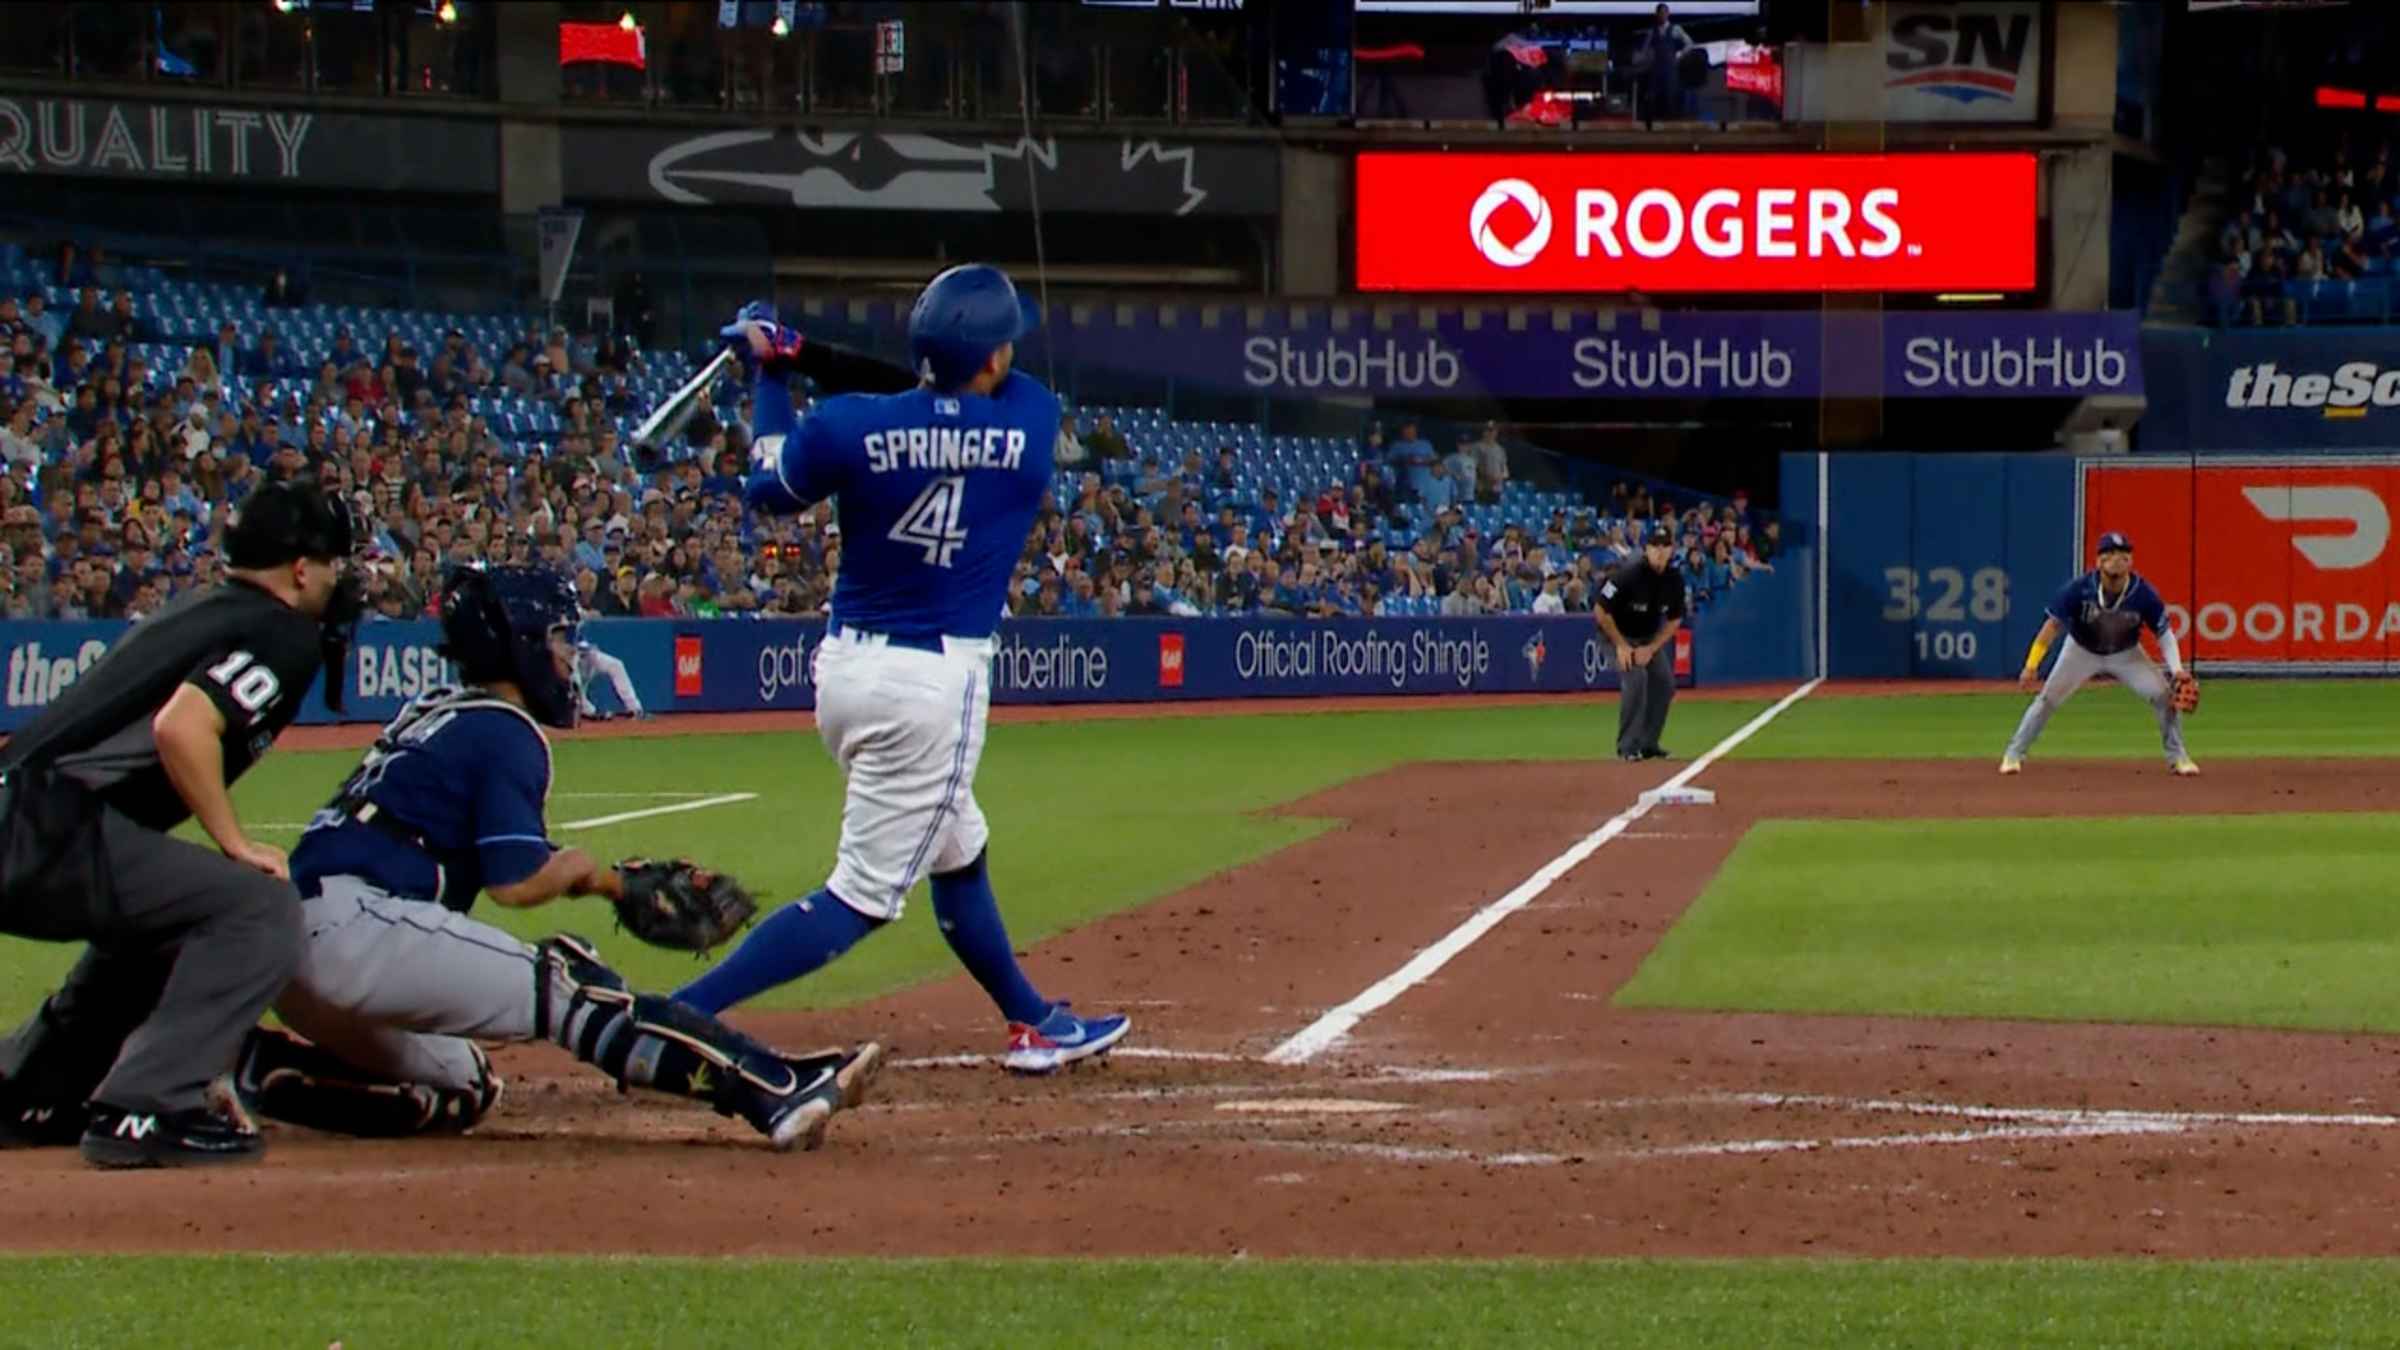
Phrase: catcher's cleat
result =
(199, 1137)
(824, 1085)
(2185, 768)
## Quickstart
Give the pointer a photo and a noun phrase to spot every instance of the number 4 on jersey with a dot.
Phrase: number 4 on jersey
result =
(931, 521)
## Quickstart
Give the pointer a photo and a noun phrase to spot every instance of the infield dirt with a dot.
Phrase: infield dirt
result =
(1504, 1107)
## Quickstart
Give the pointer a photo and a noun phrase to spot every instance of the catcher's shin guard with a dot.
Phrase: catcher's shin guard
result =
(280, 1076)
(644, 1040)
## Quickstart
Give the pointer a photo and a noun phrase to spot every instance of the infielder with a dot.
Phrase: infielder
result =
(591, 664)
(395, 977)
(2103, 613)
(936, 488)
(188, 945)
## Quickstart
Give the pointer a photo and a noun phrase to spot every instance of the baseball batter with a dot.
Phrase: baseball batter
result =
(2103, 613)
(395, 978)
(935, 488)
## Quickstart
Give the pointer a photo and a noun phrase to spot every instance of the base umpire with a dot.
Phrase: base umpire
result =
(1641, 606)
(187, 946)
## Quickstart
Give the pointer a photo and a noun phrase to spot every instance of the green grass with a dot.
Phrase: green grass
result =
(2238, 719)
(1087, 818)
(2279, 920)
(511, 1302)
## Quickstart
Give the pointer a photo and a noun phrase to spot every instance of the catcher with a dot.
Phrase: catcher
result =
(2103, 613)
(396, 978)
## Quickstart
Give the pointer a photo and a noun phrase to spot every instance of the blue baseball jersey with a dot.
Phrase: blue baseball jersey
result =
(2104, 626)
(468, 774)
(935, 494)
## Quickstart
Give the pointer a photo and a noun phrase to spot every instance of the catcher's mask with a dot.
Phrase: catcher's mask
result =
(498, 623)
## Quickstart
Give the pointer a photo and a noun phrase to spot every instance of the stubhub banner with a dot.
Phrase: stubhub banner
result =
(1417, 352)
(747, 666)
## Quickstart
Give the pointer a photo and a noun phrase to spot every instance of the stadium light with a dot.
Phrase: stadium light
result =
(1968, 297)
(2329, 96)
(448, 13)
(782, 27)
(284, 6)
(627, 22)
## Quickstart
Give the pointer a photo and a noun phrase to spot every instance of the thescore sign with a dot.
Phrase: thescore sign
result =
(1695, 223)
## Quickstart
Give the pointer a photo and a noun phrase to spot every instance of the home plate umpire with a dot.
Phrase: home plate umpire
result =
(187, 946)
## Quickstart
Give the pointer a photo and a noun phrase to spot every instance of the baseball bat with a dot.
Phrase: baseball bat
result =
(674, 413)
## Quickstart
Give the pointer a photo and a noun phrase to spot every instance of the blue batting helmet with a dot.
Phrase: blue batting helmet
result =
(962, 318)
(496, 624)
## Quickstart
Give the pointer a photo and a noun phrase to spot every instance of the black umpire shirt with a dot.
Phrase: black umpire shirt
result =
(254, 656)
(1641, 600)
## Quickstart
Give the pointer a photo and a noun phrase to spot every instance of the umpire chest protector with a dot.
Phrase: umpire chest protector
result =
(1641, 600)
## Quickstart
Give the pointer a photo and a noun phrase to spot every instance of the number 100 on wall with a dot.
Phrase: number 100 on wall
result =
(1945, 595)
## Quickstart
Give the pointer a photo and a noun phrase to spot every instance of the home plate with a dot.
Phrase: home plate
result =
(1311, 1106)
(1682, 796)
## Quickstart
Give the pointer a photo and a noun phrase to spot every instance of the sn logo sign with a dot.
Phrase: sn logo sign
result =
(1963, 56)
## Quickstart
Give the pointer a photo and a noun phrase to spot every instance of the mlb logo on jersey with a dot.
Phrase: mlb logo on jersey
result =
(1170, 660)
(687, 666)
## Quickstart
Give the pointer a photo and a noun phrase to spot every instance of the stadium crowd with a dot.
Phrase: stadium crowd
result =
(2330, 214)
(121, 467)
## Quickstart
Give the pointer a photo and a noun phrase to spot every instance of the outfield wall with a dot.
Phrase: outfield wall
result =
(1941, 565)
(737, 665)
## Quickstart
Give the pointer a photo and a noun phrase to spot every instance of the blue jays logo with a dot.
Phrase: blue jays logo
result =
(1535, 651)
(1962, 56)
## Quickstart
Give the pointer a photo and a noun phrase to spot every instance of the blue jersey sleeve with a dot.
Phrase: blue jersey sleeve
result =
(2149, 606)
(806, 470)
(511, 839)
(2064, 605)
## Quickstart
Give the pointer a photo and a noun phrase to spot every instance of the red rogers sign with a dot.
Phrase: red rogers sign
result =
(1682, 223)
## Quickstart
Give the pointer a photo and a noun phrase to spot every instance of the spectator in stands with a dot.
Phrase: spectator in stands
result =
(1068, 448)
(2264, 291)
(2349, 221)
(45, 323)
(2321, 219)
(122, 321)
(1463, 465)
(1491, 463)
(18, 444)
(89, 322)
(1550, 599)
(2383, 230)
(1437, 493)
(2310, 265)
(1412, 461)
(1105, 445)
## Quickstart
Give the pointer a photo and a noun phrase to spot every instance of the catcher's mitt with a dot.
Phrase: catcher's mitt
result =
(2187, 692)
(680, 905)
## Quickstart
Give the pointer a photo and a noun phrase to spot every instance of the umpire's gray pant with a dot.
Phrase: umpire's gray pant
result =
(187, 949)
(1642, 706)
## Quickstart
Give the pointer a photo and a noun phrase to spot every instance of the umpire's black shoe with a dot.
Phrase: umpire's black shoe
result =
(198, 1137)
(1658, 752)
(26, 1125)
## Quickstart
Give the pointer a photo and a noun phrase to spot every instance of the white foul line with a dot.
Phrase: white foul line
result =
(721, 799)
(1328, 1030)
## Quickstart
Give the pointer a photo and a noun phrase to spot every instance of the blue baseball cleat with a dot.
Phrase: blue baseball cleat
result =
(1061, 1039)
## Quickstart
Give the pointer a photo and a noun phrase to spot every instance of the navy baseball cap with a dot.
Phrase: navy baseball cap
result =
(2114, 542)
(1659, 534)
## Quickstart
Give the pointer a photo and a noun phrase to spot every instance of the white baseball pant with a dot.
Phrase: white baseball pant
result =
(907, 728)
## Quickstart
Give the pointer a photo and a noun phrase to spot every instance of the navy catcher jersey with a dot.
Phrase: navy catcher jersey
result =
(2104, 626)
(935, 494)
(467, 772)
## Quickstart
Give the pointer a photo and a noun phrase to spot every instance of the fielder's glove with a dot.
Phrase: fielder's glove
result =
(680, 905)
(2187, 692)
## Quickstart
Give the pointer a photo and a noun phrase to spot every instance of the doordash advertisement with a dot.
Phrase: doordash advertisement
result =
(1572, 223)
(2261, 562)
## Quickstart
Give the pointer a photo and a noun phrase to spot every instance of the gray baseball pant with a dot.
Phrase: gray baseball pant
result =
(2132, 667)
(187, 948)
(1645, 692)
